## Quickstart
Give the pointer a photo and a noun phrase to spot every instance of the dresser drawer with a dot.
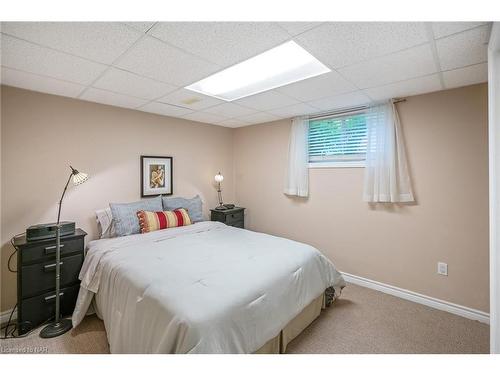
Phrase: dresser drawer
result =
(40, 277)
(47, 250)
(36, 310)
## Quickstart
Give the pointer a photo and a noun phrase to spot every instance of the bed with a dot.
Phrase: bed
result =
(204, 288)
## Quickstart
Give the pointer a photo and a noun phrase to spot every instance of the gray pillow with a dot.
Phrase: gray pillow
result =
(194, 206)
(125, 214)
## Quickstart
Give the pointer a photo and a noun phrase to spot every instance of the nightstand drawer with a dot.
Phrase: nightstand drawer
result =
(47, 250)
(37, 310)
(40, 277)
(238, 224)
(234, 218)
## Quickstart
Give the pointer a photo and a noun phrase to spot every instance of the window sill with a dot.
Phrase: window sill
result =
(338, 164)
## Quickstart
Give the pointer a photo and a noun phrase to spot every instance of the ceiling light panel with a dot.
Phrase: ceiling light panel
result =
(276, 67)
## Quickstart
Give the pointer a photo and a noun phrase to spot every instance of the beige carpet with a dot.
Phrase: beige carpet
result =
(362, 321)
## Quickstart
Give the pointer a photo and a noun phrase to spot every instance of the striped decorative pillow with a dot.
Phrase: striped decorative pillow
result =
(150, 221)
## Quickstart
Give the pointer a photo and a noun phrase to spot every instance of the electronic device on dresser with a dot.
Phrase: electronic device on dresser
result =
(36, 268)
(43, 231)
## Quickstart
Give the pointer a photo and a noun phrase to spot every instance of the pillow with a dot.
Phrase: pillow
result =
(105, 223)
(150, 221)
(194, 206)
(125, 214)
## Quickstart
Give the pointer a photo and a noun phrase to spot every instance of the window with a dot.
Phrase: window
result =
(338, 141)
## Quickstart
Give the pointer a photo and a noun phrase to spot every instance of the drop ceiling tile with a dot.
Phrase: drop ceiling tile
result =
(123, 82)
(98, 41)
(157, 60)
(339, 44)
(410, 87)
(266, 100)
(223, 43)
(141, 26)
(190, 99)
(35, 82)
(467, 48)
(165, 109)
(208, 118)
(351, 99)
(230, 110)
(21, 55)
(296, 28)
(466, 76)
(442, 29)
(322, 86)
(294, 110)
(403, 65)
(258, 118)
(111, 98)
(233, 123)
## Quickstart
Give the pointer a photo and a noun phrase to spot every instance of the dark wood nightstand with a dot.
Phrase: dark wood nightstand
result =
(36, 278)
(234, 216)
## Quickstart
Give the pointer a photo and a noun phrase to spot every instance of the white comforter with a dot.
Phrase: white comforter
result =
(204, 288)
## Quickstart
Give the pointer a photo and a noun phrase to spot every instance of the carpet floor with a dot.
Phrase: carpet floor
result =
(361, 321)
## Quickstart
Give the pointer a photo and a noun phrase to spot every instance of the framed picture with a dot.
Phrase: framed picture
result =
(156, 175)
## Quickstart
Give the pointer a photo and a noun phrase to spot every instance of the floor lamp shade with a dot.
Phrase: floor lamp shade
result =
(80, 178)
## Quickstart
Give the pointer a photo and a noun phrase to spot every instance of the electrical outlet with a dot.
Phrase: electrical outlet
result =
(442, 268)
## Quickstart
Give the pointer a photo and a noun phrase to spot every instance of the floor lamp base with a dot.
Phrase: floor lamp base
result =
(56, 329)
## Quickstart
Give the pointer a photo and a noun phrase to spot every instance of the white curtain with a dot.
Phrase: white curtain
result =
(386, 171)
(297, 177)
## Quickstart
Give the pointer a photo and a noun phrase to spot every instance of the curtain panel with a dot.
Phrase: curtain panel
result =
(386, 172)
(297, 175)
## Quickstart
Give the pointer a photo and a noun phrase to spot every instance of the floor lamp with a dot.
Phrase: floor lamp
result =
(60, 326)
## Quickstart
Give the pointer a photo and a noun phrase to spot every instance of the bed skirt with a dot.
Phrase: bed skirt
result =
(278, 344)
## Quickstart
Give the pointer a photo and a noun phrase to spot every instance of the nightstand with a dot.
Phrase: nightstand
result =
(36, 278)
(234, 217)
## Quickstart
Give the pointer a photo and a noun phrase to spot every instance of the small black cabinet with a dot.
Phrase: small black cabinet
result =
(234, 217)
(36, 278)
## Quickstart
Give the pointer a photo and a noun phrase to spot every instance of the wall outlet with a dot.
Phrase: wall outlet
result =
(442, 268)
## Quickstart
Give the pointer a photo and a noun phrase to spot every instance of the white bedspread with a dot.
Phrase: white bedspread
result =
(204, 288)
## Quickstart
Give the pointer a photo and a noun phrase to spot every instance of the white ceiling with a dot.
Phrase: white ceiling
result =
(145, 65)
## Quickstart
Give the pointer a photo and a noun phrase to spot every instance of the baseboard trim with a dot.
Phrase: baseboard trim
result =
(436, 303)
(4, 317)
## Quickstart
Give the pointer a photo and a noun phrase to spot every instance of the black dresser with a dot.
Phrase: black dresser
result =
(234, 217)
(36, 278)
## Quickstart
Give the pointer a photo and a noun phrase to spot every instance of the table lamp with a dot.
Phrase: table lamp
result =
(219, 178)
(60, 326)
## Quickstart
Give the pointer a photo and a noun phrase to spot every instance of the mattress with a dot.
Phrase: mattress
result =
(203, 288)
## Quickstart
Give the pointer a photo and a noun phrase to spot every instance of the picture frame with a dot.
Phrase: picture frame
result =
(156, 175)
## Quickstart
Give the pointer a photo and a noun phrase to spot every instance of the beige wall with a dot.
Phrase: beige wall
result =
(447, 144)
(446, 137)
(42, 133)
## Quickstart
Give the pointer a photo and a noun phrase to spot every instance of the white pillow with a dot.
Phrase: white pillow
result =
(105, 223)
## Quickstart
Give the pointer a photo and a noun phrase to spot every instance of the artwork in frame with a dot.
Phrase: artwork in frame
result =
(156, 175)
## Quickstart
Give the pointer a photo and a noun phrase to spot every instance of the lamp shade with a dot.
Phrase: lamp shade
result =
(80, 178)
(219, 177)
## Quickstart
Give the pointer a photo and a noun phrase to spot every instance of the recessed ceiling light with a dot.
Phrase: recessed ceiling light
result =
(276, 67)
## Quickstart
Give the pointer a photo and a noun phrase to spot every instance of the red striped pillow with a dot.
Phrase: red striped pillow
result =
(150, 221)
